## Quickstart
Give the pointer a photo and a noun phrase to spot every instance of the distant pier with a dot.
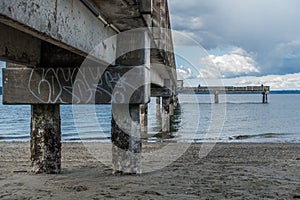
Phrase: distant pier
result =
(216, 90)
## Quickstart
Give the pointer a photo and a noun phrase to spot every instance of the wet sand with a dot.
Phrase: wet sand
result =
(230, 171)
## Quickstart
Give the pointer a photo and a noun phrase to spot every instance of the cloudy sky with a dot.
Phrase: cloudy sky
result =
(241, 41)
(246, 41)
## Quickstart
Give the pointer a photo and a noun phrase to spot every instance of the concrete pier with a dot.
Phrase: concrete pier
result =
(133, 44)
(126, 139)
(216, 90)
(171, 106)
(130, 117)
(216, 97)
(165, 115)
(175, 101)
(265, 96)
(45, 134)
(158, 111)
(144, 118)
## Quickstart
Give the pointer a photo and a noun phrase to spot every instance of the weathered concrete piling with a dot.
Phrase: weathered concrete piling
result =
(175, 101)
(126, 139)
(144, 118)
(130, 115)
(165, 123)
(158, 111)
(171, 106)
(265, 96)
(216, 95)
(45, 134)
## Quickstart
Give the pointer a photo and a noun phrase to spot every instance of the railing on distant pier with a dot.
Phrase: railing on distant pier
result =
(216, 90)
(225, 89)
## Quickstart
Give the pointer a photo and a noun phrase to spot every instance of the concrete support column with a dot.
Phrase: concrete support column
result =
(171, 107)
(126, 139)
(216, 97)
(165, 115)
(158, 114)
(175, 101)
(130, 112)
(265, 97)
(45, 134)
(144, 118)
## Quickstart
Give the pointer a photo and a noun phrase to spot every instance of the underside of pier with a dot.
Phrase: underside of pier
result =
(117, 52)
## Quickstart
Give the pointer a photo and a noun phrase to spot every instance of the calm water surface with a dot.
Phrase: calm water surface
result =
(238, 117)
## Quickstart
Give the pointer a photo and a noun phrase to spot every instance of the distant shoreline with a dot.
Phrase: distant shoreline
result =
(285, 92)
(271, 92)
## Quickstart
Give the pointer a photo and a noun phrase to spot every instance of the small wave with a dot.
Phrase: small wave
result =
(221, 103)
(87, 139)
(16, 137)
(242, 102)
(263, 135)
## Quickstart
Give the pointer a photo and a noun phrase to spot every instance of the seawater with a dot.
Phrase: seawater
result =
(237, 118)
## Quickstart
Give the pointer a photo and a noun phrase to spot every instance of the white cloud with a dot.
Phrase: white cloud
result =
(288, 81)
(184, 73)
(237, 62)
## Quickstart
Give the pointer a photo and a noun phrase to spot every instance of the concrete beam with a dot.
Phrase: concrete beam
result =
(159, 73)
(74, 85)
(146, 6)
(133, 48)
(161, 92)
(54, 56)
(124, 14)
(162, 76)
(68, 24)
(19, 47)
(156, 78)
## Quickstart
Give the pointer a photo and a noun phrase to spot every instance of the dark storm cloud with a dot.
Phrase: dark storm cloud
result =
(267, 28)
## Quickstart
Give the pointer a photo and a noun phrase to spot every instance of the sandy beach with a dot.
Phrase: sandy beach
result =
(230, 171)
